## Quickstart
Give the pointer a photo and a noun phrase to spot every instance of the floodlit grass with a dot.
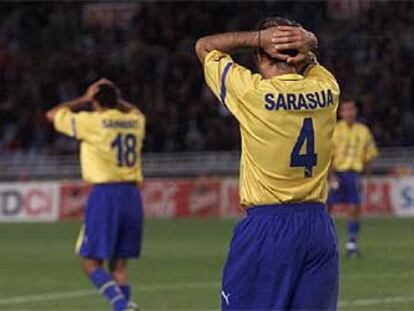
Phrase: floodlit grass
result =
(181, 267)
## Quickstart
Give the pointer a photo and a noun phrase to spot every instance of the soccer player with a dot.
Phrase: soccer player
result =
(111, 138)
(283, 254)
(354, 149)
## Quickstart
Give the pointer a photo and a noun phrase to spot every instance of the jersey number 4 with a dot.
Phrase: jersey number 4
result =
(308, 159)
(126, 146)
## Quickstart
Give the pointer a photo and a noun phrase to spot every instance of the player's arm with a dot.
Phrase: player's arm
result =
(232, 42)
(78, 103)
(305, 61)
(126, 106)
(73, 105)
(371, 152)
(66, 117)
(67, 120)
(332, 178)
(226, 79)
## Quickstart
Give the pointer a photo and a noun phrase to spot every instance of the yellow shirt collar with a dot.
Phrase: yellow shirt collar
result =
(289, 77)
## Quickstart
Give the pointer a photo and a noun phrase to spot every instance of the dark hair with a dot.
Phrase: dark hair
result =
(107, 96)
(273, 22)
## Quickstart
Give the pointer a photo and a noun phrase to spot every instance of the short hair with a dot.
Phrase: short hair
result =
(273, 22)
(107, 96)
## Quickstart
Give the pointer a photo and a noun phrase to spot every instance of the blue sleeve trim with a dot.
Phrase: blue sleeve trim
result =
(73, 122)
(223, 90)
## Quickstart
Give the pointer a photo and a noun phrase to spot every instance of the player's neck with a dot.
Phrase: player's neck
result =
(350, 123)
(99, 108)
(275, 71)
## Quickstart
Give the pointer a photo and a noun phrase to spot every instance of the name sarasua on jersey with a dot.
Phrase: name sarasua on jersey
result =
(300, 101)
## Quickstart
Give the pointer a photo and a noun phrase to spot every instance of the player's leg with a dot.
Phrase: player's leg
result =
(129, 240)
(336, 193)
(317, 287)
(104, 282)
(353, 228)
(354, 210)
(96, 243)
(89, 265)
(118, 269)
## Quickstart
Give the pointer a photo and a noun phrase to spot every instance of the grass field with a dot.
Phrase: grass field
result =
(181, 266)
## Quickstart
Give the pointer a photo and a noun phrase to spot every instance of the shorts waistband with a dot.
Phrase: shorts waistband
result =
(347, 172)
(115, 184)
(284, 208)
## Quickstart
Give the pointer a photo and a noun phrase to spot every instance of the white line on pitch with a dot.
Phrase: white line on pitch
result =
(90, 292)
(175, 286)
(376, 275)
(375, 301)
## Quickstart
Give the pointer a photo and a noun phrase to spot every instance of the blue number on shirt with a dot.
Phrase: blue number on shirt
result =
(309, 159)
(126, 149)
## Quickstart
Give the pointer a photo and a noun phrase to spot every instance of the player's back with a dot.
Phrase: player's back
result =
(111, 143)
(286, 125)
(287, 139)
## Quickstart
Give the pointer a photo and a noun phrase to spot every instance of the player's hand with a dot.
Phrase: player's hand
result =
(266, 43)
(91, 91)
(94, 87)
(294, 38)
(333, 182)
(302, 60)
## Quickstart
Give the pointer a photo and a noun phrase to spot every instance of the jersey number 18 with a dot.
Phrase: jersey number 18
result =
(125, 146)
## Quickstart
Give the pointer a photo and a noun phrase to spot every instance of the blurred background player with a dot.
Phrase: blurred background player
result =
(283, 255)
(111, 140)
(354, 150)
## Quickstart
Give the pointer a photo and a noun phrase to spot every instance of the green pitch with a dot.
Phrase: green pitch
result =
(181, 266)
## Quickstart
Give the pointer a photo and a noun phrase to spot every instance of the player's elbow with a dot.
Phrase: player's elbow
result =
(199, 45)
(201, 49)
(50, 115)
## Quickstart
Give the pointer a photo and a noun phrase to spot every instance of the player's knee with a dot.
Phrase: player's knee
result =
(89, 266)
(354, 212)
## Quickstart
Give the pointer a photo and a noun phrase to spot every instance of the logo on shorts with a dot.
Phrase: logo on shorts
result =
(226, 297)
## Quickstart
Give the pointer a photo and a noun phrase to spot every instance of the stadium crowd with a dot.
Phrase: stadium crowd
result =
(49, 54)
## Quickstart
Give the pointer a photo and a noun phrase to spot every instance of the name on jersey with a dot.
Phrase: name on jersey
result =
(300, 101)
(123, 124)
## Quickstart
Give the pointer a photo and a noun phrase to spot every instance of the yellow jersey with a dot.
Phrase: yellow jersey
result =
(286, 126)
(353, 147)
(111, 143)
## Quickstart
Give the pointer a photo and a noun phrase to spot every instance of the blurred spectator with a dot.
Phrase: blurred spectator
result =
(49, 53)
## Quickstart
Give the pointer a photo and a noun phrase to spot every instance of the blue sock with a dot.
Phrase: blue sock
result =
(126, 290)
(353, 230)
(108, 288)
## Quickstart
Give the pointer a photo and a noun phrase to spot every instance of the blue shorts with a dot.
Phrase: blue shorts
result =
(349, 191)
(113, 222)
(282, 257)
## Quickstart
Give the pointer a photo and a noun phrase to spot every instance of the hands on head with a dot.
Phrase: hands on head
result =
(277, 39)
(94, 88)
(78, 103)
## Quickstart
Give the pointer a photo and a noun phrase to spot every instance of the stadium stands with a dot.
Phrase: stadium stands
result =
(49, 53)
